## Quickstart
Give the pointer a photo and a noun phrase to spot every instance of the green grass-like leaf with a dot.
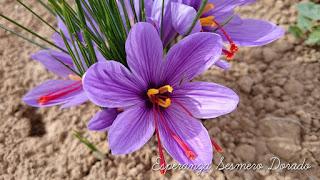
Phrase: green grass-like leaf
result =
(90, 145)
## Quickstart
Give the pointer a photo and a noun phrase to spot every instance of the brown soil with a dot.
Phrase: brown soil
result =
(278, 115)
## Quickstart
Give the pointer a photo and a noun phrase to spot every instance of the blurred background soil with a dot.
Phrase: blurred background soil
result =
(278, 114)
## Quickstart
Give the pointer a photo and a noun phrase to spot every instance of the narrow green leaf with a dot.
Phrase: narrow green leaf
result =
(134, 11)
(46, 7)
(199, 13)
(38, 16)
(23, 37)
(89, 46)
(31, 32)
(67, 66)
(124, 9)
(162, 16)
(75, 58)
(142, 11)
(90, 145)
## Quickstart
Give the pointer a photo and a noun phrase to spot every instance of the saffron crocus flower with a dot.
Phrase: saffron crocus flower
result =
(218, 16)
(67, 91)
(156, 95)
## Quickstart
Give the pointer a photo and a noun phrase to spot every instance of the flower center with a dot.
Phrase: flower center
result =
(209, 21)
(160, 96)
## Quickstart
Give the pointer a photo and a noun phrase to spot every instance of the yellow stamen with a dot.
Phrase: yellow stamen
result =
(152, 92)
(159, 96)
(74, 77)
(208, 7)
(164, 103)
(166, 88)
(207, 21)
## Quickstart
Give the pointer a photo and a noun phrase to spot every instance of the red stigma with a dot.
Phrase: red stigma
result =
(187, 151)
(184, 146)
(190, 154)
(233, 47)
(216, 146)
(162, 160)
(229, 55)
(59, 93)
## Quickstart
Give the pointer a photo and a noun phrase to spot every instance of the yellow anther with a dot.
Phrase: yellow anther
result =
(159, 96)
(166, 88)
(207, 21)
(164, 103)
(208, 7)
(152, 92)
(74, 77)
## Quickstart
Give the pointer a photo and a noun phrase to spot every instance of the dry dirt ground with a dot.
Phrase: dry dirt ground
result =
(278, 114)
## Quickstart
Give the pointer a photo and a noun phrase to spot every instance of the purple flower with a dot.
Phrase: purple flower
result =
(219, 17)
(156, 95)
(67, 91)
(243, 32)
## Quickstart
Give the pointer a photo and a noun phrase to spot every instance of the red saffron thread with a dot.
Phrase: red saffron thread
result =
(59, 93)
(186, 149)
(216, 146)
(162, 160)
(233, 47)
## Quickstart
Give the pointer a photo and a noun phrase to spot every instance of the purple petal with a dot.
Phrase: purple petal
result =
(103, 120)
(57, 39)
(168, 32)
(193, 3)
(76, 100)
(176, 122)
(222, 64)
(131, 130)
(206, 100)
(49, 59)
(228, 5)
(191, 56)
(110, 84)
(251, 32)
(182, 18)
(57, 92)
(99, 56)
(63, 28)
(144, 52)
